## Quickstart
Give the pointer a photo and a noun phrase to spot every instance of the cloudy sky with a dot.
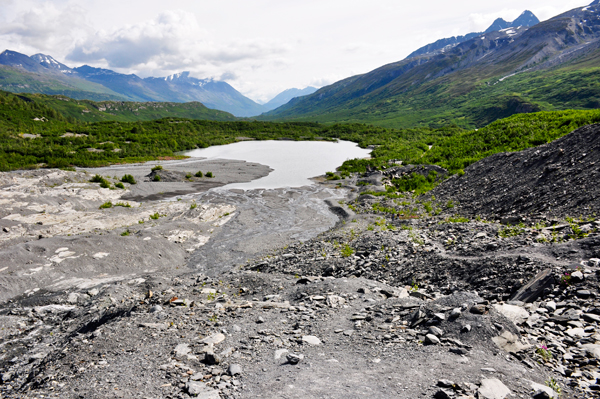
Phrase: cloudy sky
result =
(260, 47)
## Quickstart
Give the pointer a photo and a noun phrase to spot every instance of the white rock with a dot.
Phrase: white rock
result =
(539, 387)
(576, 333)
(311, 340)
(182, 350)
(493, 388)
(516, 314)
(200, 390)
(214, 339)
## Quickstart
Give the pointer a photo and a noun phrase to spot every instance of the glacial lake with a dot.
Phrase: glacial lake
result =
(294, 162)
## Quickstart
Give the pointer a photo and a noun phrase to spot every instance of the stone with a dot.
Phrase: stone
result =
(311, 340)
(214, 339)
(541, 395)
(550, 393)
(493, 388)
(591, 318)
(436, 331)
(260, 320)
(182, 350)
(200, 390)
(294, 358)
(444, 394)
(466, 328)
(550, 306)
(439, 316)
(445, 384)
(234, 369)
(510, 342)
(236, 328)
(279, 353)
(577, 277)
(459, 351)
(576, 332)
(455, 313)
(583, 294)
(592, 350)
(156, 309)
(533, 289)
(93, 292)
(478, 309)
(211, 358)
(431, 339)
(73, 297)
(516, 314)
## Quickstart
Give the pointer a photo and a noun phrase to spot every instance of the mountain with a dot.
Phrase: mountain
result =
(41, 73)
(526, 19)
(50, 63)
(549, 66)
(285, 96)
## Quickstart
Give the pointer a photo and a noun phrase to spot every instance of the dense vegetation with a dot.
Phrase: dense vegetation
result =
(34, 134)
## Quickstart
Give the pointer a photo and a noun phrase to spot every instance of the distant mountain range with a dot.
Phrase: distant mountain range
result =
(551, 65)
(526, 19)
(41, 73)
(285, 97)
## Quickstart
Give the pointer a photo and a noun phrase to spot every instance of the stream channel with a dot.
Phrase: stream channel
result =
(284, 206)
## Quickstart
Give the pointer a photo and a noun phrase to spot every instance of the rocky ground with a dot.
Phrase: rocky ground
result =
(407, 297)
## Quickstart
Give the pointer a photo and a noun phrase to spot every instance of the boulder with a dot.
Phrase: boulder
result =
(532, 290)
(493, 388)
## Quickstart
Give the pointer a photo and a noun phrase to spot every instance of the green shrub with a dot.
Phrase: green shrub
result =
(128, 179)
(106, 205)
(209, 174)
(157, 167)
(120, 185)
(347, 251)
(199, 174)
(188, 175)
(193, 206)
(156, 178)
(155, 216)
(125, 233)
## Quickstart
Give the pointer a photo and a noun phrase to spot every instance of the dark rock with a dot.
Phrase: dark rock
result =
(532, 290)
(444, 394)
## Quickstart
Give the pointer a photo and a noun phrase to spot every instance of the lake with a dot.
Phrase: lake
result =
(294, 162)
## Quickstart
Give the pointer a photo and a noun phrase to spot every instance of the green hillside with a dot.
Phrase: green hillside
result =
(91, 111)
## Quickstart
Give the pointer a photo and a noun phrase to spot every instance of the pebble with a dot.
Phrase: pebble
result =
(311, 340)
(431, 339)
(293, 358)
(155, 309)
(234, 369)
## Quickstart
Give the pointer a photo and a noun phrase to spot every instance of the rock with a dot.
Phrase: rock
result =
(431, 339)
(236, 328)
(493, 388)
(293, 358)
(516, 314)
(592, 350)
(182, 350)
(591, 318)
(6, 229)
(466, 328)
(577, 277)
(93, 292)
(214, 339)
(583, 294)
(532, 290)
(73, 297)
(549, 392)
(234, 369)
(541, 395)
(155, 309)
(436, 331)
(311, 340)
(510, 342)
(576, 332)
(200, 390)
(459, 351)
(455, 313)
(211, 358)
(444, 394)
(550, 306)
(445, 384)
(478, 309)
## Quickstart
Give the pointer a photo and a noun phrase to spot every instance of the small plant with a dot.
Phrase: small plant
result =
(155, 216)
(97, 179)
(125, 233)
(193, 206)
(209, 174)
(157, 167)
(188, 175)
(450, 204)
(347, 251)
(211, 296)
(128, 179)
(544, 352)
(457, 219)
(199, 174)
(512, 231)
(414, 287)
(106, 205)
(156, 178)
(120, 185)
(552, 384)
(123, 204)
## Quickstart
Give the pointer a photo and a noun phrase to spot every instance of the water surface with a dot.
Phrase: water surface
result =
(294, 162)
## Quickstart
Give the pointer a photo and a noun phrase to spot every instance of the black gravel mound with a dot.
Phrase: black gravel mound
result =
(558, 179)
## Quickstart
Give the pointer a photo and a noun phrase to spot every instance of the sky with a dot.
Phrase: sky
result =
(260, 47)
